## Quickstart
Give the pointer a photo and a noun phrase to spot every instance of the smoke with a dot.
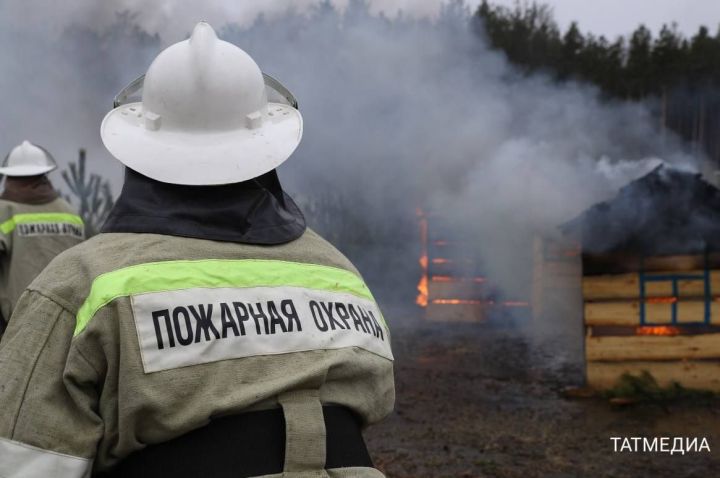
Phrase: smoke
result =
(402, 110)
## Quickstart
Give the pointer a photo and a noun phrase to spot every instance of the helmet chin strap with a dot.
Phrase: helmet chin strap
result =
(130, 90)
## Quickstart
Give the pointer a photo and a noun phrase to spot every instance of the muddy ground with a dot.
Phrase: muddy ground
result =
(476, 400)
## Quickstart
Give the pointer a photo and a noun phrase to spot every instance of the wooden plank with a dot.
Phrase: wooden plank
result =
(652, 347)
(595, 264)
(628, 312)
(627, 286)
(704, 375)
(459, 269)
(455, 312)
(674, 263)
(454, 290)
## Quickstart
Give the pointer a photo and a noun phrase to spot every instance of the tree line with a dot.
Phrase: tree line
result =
(678, 75)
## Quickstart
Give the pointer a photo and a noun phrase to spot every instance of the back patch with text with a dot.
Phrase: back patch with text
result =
(202, 325)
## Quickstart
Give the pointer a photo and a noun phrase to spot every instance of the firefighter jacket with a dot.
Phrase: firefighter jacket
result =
(132, 341)
(31, 235)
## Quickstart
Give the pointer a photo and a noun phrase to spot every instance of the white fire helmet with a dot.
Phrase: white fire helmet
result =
(207, 115)
(27, 159)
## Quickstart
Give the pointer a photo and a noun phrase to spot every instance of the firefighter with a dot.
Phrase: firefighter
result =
(206, 332)
(36, 224)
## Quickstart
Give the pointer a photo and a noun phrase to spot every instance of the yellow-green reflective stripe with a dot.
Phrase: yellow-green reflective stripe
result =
(8, 226)
(215, 273)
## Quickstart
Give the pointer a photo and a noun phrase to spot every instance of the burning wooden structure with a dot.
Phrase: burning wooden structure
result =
(651, 281)
(452, 285)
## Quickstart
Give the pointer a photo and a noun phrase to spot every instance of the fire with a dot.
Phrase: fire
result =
(443, 260)
(666, 330)
(422, 298)
(457, 302)
(456, 285)
(438, 278)
(508, 303)
(443, 279)
(422, 287)
(661, 300)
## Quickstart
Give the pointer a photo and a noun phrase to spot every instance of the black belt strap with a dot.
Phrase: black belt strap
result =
(243, 446)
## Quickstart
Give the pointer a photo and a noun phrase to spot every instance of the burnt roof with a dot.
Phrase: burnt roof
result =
(666, 212)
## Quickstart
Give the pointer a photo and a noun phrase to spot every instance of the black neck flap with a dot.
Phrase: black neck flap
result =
(256, 211)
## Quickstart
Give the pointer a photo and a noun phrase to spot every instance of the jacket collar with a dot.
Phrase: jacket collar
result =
(29, 189)
(257, 211)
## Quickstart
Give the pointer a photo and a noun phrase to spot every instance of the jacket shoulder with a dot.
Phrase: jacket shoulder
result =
(323, 252)
(69, 276)
(7, 209)
(61, 205)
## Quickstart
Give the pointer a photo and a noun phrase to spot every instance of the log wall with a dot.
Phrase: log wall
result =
(688, 313)
(557, 277)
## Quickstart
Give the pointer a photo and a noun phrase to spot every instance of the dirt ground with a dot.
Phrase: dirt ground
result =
(476, 400)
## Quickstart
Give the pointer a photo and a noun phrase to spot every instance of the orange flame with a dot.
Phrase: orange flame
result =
(422, 298)
(440, 278)
(422, 287)
(457, 301)
(661, 300)
(444, 279)
(666, 330)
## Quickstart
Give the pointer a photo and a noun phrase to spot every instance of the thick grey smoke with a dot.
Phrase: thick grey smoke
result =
(400, 113)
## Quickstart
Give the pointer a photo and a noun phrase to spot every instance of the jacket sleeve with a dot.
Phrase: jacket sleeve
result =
(4, 243)
(48, 395)
(5, 234)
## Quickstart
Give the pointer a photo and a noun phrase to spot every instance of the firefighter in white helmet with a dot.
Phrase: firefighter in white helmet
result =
(205, 332)
(36, 224)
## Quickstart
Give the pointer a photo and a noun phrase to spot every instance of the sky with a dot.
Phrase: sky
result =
(602, 17)
(619, 17)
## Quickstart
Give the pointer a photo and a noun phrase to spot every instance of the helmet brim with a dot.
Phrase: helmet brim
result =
(26, 170)
(201, 158)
